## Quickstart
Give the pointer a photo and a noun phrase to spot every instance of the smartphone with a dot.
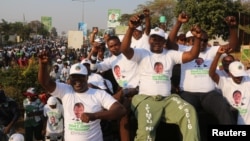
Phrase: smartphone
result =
(141, 16)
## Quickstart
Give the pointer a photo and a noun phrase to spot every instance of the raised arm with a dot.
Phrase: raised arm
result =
(43, 75)
(195, 50)
(233, 37)
(92, 35)
(212, 70)
(146, 13)
(171, 41)
(134, 22)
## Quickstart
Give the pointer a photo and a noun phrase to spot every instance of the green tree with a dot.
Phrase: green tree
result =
(53, 33)
(209, 14)
(158, 8)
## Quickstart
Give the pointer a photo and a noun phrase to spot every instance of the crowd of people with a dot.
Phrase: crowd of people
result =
(130, 80)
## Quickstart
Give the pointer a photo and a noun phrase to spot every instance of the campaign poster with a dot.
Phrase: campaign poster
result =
(113, 17)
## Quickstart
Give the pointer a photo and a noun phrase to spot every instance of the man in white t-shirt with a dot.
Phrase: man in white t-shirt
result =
(197, 87)
(141, 34)
(53, 123)
(155, 103)
(125, 74)
(235, 87)
(98, 104)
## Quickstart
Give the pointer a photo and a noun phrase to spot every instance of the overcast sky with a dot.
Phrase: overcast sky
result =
(65, 13)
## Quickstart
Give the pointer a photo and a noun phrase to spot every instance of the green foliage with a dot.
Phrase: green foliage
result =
(157, 8)
(17, 80)
(209, 14)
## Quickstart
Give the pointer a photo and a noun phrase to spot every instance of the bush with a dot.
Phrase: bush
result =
(16, 80)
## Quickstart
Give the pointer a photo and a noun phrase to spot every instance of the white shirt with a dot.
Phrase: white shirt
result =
(141, 43)
(195, 77)
(55, 118)
(228, 87)
(152, 83)
(94, 100)
(128, 70)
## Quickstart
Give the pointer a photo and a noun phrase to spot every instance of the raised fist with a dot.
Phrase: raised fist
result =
(231, 21)
(196, 31)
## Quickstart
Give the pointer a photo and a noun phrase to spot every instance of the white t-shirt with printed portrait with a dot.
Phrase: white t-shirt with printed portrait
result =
(228, 87)
(194, 74)
(55, 118)
(129, 77)
(94, 100)
(151, 82)
(141, 43)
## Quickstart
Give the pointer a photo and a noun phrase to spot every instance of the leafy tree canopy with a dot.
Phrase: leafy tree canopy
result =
(209, 14)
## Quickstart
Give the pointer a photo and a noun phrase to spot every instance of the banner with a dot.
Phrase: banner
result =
(47, 22)
(113, 17)
(83, 27)
(75, 39)
(245, 53)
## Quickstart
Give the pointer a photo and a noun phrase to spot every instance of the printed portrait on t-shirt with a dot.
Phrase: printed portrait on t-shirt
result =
(78, 110)
(200, 62)
(237, 97)
(117, 72)
(158, 67)
(53, 121)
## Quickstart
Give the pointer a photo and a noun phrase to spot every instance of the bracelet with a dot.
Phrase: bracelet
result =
(93, 57)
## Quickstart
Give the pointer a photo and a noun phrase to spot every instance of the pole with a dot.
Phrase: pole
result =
(83, 1)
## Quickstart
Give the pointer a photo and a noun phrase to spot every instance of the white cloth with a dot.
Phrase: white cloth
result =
(94, 100)
(97, 80)
(141, 43)
(228, 87)
(54, 75)
(55, 118)
(194, 76)
(128, 70)
(152, 83)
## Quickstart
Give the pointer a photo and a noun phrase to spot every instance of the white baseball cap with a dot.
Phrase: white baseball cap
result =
(78, 68)
(99, 40)
(52, 100)
(189, 34)
(157, 31)
(16, 137)
(85, 61)
(139, 28)
(237, 69)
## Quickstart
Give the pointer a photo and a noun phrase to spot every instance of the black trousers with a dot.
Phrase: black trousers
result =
(213, 103)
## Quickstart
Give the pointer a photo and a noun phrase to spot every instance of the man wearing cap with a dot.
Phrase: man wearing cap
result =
(238, 82)
(60, 64)
(9, 114)
(189, 39)
(127, 83)
(197, 88)
(98, 104)
(53, 123)
(140, 35)
(33, 115)
(97, 41)
(155, 103)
